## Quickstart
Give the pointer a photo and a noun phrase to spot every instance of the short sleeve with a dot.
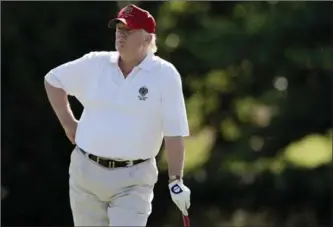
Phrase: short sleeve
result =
(71, 76)
(174, 114)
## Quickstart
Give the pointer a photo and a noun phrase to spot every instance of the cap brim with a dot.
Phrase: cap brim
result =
(112, 23)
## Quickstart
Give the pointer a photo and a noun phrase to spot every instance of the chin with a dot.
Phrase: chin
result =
(120, 47)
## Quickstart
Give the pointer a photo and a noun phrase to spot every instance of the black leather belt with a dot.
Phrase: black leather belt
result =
(109, 163)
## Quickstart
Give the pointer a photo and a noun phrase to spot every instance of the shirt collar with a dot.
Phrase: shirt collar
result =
(146, 64)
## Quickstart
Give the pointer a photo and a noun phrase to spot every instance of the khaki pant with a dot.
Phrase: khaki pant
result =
(110, 197)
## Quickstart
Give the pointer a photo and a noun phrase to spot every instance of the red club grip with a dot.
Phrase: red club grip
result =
(186, 220)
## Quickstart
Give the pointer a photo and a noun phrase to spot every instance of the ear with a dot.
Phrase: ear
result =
(149, 37)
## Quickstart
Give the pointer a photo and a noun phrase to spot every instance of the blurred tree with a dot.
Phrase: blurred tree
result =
(261, 81)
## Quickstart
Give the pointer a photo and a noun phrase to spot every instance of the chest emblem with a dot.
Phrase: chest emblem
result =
(143, 91)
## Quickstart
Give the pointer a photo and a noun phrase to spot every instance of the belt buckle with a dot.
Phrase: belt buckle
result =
(129, 163)
(111, 164)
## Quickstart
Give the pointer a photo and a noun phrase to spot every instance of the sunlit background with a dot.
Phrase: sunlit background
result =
(257, 82)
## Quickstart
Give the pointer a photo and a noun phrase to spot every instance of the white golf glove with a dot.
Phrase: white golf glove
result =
(180, 195)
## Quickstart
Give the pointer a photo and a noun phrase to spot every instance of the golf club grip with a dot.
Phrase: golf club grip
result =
(186, 220)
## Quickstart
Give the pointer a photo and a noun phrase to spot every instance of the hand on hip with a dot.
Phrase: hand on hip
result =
(70, 130)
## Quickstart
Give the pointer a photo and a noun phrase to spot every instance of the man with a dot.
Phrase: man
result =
(132, 99)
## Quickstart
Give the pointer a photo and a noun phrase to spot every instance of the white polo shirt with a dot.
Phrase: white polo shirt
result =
(123, 118)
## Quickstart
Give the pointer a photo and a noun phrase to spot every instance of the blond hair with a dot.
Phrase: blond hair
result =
(152, 46)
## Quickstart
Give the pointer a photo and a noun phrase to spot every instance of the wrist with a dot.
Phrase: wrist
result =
(174, 178)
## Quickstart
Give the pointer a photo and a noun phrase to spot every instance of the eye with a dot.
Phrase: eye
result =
(124, 29)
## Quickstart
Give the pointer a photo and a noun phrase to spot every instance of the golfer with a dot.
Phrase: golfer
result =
(132, 100)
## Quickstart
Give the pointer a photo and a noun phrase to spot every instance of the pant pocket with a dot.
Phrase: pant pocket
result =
(144, 173)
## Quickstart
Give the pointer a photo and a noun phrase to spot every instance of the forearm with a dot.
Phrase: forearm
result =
(175, 154)
(59, 102)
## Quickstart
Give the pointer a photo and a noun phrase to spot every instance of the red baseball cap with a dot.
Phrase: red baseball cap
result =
(135, 18)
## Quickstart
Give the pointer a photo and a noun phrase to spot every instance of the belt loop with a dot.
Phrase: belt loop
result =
(130, 163)
(113, 164)
(97, 159)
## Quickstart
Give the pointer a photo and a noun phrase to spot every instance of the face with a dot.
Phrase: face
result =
(130, 40)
